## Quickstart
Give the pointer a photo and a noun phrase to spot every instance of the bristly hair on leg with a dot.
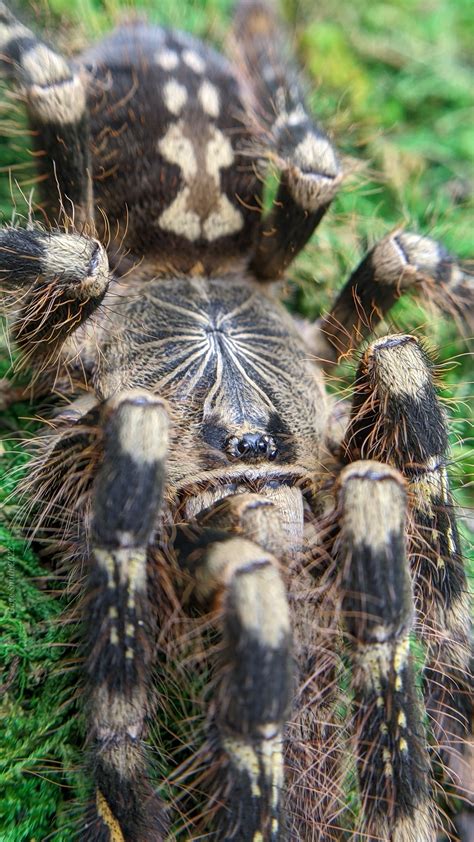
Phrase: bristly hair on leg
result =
(397, 416)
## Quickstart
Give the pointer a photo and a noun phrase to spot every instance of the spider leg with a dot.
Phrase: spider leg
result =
(377, 606)
(314, 774)
(241, 579)
(60, 478)
(125, 503)
(55, 98)
(52, 282)
(310, 172)
(397, 418)
(399, 262)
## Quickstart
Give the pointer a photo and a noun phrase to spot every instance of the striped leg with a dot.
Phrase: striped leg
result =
(56, 104)
(310, 171)
(392, 760)
(242, 580)
(397, 417)
(314, 748)
(125, 504)
(52, 282)
(399, 262)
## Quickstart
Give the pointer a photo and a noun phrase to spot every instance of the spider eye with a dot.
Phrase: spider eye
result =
(251, 445)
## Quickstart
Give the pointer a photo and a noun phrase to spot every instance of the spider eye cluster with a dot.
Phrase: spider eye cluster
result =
(252, 446)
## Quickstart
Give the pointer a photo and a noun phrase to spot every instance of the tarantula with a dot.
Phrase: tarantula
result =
(200, 477)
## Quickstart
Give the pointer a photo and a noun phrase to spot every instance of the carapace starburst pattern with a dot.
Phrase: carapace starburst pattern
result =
(208, 492)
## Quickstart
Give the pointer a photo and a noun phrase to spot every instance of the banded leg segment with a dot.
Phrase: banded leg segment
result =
(52, 282)
(55, 99)
(399, 262)
(254, 693)
(126, 501)
(393, 763)
(242, 581)
(397, 417)
(310, 171)
(314, 749)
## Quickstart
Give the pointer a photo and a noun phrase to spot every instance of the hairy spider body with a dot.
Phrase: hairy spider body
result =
(200, 444)
(228, 363)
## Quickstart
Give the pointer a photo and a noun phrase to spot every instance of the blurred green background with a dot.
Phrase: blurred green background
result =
(392, 82)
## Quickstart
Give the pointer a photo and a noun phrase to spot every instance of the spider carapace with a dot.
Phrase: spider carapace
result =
(201, 477)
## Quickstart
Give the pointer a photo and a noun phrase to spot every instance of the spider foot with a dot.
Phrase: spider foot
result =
(55, 97)
(400, 262)
(52, 283)
(310, 170)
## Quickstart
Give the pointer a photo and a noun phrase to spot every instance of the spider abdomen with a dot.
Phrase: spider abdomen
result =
(169, 139)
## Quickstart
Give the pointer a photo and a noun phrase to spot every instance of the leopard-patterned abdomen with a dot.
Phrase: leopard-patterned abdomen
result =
(170, 149)
(231, 366)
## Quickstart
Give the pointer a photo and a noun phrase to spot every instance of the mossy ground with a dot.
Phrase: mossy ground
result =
(391, 81)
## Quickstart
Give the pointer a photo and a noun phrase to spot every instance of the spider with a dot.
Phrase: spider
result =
(200, 483)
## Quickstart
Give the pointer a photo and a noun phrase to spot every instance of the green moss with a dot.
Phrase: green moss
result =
(39, 735)
(330, 58)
